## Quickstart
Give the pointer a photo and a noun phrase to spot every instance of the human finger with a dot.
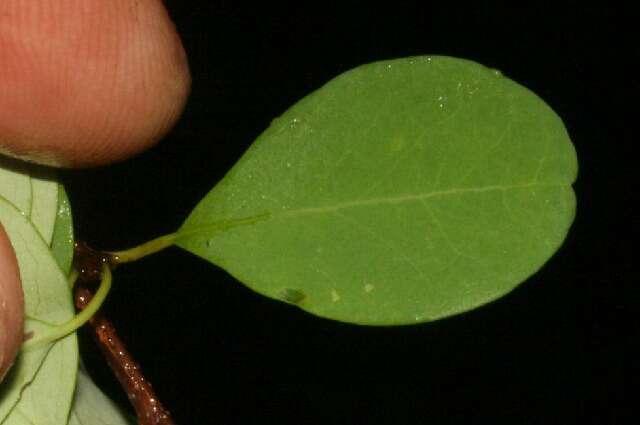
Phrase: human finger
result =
(87, 82)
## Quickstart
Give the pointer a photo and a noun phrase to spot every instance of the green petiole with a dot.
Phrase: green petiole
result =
(143, 250)
(80, 319)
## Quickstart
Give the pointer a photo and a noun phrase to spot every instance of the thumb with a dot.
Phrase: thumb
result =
(87, 82)
(11, 305)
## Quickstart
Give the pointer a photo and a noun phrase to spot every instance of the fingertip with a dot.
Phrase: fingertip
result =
(88, 82)
(11, 305)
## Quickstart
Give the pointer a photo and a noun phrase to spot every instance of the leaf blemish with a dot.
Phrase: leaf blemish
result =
(293, 296)
(368, 288)
(335, 297)
(397, 144)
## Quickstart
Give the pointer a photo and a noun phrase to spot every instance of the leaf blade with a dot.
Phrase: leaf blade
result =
(92, 407)
(47, 302)
(63, 238)
(44, 192)
(376, 189)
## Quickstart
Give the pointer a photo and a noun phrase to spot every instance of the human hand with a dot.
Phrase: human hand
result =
(82, 83)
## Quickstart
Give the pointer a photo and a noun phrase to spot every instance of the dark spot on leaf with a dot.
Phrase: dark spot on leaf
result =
(293, 296)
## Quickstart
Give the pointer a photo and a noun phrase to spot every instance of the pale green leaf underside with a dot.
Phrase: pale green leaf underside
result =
(400, 192)
(50, 371)
(21, 373)
(40, 385)
(15, 184)
(47, 399)
(26, 219)
(92, 407)
(33, 190)
(44, 203)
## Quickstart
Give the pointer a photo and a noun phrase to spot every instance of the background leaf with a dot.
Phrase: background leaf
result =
(92, 407)
(33, 190)
(400, 192)
(63, 239)
(15, 184)
(44, 201)
(40, 385)
(47, 399)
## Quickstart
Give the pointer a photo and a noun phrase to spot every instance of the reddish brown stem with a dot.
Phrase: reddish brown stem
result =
(147, 406)
(88, 262)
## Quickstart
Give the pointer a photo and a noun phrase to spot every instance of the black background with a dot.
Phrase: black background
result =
(555, 351)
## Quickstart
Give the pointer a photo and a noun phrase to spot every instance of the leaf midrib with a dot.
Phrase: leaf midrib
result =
(400, 199)
(224, 225)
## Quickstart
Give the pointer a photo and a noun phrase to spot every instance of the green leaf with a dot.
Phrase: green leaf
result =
(15, 184)
(400, 192)
(63, 239)
(47, 399)
(92, 407)
(21, 374)
(33, 190)
(44, 201)
(40, 385)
